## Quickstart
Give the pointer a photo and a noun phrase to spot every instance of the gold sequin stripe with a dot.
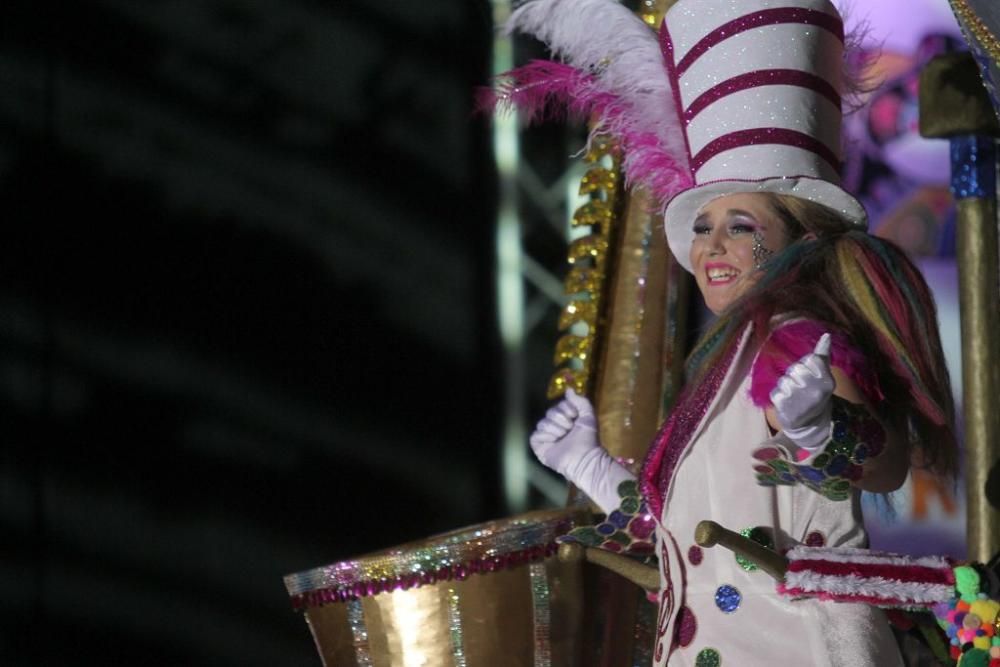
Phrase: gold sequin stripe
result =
(542, 617)
(975, 25)
(359, 632)
(587, 279)
(455, 629)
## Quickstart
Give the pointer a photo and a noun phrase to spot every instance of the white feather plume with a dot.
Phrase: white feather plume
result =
(606, 39)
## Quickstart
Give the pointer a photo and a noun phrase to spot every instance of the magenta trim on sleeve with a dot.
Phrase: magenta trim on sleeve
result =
(759, 19)
(766, 77)
(792, 341)
(764, 135)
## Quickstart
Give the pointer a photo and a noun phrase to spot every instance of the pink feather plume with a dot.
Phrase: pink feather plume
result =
(546, 90)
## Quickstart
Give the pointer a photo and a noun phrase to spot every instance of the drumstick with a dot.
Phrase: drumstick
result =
(709, 533)
(642, 575)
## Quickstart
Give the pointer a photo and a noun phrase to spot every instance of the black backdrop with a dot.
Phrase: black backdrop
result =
(246, 312)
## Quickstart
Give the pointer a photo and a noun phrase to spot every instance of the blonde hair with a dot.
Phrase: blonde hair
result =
(802, 217)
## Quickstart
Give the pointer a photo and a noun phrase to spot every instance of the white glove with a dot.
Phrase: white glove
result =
(565, 440)
(802, 398)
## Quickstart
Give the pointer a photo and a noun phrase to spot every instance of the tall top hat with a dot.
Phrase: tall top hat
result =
(734, 96)
(757, 87)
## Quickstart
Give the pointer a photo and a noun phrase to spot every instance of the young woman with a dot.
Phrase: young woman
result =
(822, 375)
(760, 380)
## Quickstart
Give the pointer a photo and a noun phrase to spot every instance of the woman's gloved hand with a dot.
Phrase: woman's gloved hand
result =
(802, 398)
(565, 440)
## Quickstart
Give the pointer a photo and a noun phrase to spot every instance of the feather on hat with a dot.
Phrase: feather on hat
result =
(733, 97)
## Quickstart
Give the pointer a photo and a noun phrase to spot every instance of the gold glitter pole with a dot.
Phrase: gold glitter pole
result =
(641, 575)
(709, 534)
(978, 274)
(643, 336)
(952, 104)
(640, 339)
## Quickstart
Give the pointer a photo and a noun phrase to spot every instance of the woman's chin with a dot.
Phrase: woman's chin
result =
(717, 299)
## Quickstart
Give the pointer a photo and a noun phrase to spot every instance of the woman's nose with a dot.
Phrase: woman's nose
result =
(715, 242)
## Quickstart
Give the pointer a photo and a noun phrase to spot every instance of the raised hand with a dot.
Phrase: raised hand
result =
(565, 440)
(566, 433)
(802, 396)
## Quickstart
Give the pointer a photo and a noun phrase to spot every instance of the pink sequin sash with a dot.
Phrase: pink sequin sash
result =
(675, 435)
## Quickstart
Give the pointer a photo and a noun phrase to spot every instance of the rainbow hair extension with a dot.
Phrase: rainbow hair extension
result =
(895, 301)
(867, 291)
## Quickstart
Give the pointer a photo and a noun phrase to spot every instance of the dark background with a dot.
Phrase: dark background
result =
(246, 313)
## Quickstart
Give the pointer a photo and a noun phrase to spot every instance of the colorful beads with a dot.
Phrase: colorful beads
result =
(970, 620)
(727, 598)
(708, 657)
(761, 536)
(856, 436)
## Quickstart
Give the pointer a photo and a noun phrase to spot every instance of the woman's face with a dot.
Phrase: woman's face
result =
(733, 234)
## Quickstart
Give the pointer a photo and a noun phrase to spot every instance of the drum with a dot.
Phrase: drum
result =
(491, 594)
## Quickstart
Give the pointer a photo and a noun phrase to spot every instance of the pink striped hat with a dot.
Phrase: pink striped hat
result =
(736, 96)
(757, 87)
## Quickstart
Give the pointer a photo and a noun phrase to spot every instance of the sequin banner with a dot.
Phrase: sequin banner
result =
(359, 631)
(540, 606)
(455, 628)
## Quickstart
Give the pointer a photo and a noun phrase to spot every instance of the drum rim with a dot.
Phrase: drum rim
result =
(483, 547)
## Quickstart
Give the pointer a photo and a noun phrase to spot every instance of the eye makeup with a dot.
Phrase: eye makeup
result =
(736, 221)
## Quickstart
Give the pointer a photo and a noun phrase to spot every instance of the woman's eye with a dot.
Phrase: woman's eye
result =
(702, 229)
(742, 228)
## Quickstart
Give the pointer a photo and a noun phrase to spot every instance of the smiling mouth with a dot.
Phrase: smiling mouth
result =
(721, 276)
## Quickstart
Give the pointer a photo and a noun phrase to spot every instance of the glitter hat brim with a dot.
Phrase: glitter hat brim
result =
(680, 213)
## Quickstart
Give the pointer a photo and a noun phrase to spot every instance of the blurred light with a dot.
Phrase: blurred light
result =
(510, 286)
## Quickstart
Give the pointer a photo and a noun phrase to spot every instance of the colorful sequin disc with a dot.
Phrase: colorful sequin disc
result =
(856, 437)
(727, 598)
(687, 627)
(815, 539)
(708, 657)
(761, 536)
(695, 554)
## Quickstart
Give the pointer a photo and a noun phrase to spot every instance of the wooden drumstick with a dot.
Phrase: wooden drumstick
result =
(708, 534)
(642, 575)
